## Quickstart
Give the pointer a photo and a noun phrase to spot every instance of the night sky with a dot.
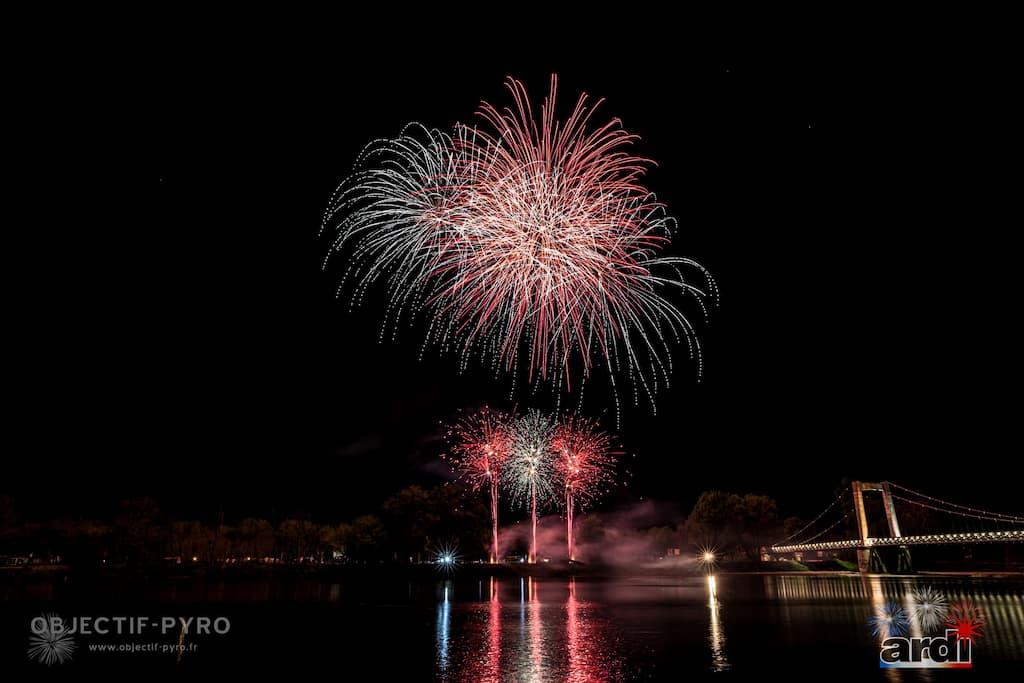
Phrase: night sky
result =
(866, 326)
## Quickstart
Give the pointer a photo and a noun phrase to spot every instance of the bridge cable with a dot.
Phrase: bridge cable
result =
(810, 523)
(1005, 517)
(950, 512)
(824, 531)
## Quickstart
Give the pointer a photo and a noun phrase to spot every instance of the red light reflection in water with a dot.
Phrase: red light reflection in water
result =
(540, 641)
(494, 635)
(536, 642)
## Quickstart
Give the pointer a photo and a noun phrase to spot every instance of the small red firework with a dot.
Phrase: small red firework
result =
(480, 446)
(966, 619)
(585, 464)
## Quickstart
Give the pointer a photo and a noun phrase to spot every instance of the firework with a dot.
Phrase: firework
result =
(929, 607)
(481, 444)
(890, 619)
(50, 643)
(529, 470)
(966, 618)
(584, 463)
(391, 210)
(527, 243)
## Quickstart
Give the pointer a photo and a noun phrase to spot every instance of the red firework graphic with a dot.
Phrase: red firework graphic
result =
(585, 464)
(967, 620)
(480, 447)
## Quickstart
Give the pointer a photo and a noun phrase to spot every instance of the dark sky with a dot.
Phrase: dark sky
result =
(866, 326)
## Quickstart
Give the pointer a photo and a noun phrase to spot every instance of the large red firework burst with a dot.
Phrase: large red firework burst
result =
(558, 245)
(529, 242)
(584, 463)
(480, 445)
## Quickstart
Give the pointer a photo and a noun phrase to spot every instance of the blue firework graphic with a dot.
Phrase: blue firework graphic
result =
(889, 619)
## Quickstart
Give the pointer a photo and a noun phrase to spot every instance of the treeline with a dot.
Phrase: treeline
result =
(406, 528)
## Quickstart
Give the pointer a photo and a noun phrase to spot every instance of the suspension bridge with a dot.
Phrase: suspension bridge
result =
(963, 525)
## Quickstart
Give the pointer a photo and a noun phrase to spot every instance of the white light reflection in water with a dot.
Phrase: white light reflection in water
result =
(444, 613)
(530, 651)
(716, 635)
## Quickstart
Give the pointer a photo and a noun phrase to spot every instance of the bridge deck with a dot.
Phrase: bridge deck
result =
(936, 539)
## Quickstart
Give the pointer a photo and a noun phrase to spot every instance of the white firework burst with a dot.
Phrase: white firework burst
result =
(51, 644)
(929, 607)
(396, 212)
(530, 469)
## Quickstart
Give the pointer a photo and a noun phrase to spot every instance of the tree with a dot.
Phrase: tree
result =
(417, 519)
(336, 539)
(367, 537)
(757, 519)
(713, 518)
(298, 538)
(135, 528)
(256, 537)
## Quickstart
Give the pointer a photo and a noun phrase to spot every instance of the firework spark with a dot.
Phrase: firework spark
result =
(529, 469)
(890, 619)
(929, 607)
(527, 243)
(480, 447)
(584, 463)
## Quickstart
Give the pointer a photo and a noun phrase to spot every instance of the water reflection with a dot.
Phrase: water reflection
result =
(641, 628)
(535, 671)
(716, 635)
(849, 606)
(467, 628)
(444, 619)
(547, 632)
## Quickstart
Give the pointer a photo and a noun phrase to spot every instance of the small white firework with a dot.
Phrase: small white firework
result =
(529, 472)
(51, 644)
(929, 607)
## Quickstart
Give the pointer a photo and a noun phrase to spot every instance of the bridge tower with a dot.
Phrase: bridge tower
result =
(868, 559)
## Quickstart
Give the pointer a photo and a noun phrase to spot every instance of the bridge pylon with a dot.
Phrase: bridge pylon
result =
(868, 559)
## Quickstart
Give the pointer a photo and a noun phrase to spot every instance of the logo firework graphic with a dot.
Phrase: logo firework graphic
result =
(929, 607)
(51, 644)
(889, 620)
(967, 620)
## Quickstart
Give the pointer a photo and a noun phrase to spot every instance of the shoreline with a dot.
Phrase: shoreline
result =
(426, 571)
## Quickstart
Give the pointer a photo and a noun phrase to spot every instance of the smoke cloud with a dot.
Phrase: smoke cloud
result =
(643, 533)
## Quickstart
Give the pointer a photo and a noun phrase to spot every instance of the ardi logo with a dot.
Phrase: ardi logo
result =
(956, 629)
(927, 652)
